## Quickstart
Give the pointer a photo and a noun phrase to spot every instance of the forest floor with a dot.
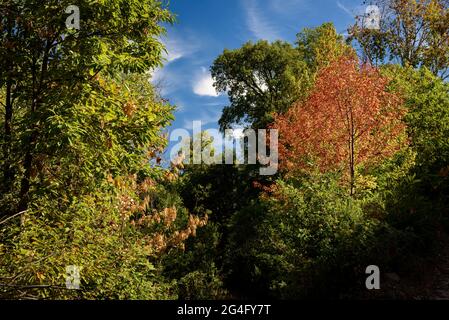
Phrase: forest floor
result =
(428, 279)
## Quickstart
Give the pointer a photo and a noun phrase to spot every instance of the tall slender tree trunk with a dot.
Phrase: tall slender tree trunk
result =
(352, 171)
(352, 155)
(36, 100)
(27, 164)
(25, 183)
(7, 174)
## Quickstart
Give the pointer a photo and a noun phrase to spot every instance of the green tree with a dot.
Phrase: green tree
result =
(321, 46)
(427, 101)
(412, 32)
(83, 131)
(299, 240)
(45, 65)
(263, 78)
(260, 79)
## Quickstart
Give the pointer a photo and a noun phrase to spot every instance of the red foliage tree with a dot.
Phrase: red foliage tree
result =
(349, 119)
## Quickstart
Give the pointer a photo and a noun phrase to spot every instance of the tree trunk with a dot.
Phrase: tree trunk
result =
(352, 155)
(36, 100)
(7, 173)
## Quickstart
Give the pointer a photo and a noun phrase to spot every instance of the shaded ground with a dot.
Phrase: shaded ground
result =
(427, 280)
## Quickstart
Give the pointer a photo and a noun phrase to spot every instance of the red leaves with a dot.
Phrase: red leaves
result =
(349, 119)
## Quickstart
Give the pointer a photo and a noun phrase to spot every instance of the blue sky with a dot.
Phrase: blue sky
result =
(205, 28)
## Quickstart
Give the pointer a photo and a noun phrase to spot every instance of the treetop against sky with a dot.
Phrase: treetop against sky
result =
(205, 28)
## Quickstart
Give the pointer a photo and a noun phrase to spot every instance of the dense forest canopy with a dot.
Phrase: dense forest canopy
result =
(363, 125)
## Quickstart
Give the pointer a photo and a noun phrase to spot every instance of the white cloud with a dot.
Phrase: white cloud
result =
(175, 50)
(258, 23)
(203, 85)
(179, 46)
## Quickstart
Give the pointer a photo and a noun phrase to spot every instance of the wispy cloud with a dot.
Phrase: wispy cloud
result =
(165, 80)
(205, 117)
(352, 10)
(174, 52)
(177, 47)
(214, 104)
(203, 84)
(346, 9)
(258, 23)
(288, 7)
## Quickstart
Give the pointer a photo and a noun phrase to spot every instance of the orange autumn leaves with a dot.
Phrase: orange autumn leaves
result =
(349, 119)
(134, 198)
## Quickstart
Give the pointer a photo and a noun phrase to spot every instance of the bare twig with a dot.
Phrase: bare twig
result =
(35, 286)
(13, 216)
